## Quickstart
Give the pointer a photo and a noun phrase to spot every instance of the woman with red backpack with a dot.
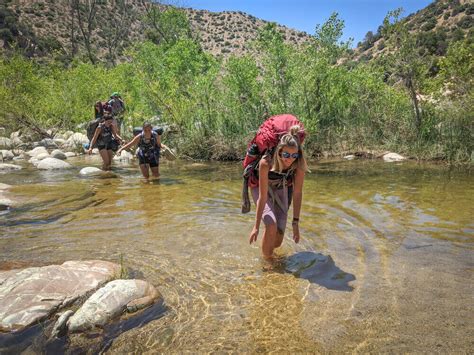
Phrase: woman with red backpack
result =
(280, 174)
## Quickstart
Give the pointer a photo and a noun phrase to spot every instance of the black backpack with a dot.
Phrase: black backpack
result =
(91, 127)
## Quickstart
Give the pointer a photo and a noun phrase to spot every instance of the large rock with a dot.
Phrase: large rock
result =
(32, 294)
(42, 156)
(391, 157)
(5, 143)
(70, 154)
(6, 154)
(58, 154)
(124, 156)
(4, 167)
(48, 143)
(5, 203)
(76, 141)
(52, 163)
(110, 301)
(90, 170)
(36, 151)
(4, 186)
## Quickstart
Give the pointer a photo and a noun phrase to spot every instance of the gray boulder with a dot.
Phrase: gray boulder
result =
(53, 163)
(6, 154)
(391, 157)
(5, 167)
(76, 141)
(90, 170)
(110, 301)
(5, 143)
(124, 156)
(5, 203)
(32, 294)
(48, 143)
(4, 186)
(35, 151)
(58, 154)
(42, 156)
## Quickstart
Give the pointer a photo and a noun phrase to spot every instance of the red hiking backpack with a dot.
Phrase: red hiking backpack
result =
(266, 139)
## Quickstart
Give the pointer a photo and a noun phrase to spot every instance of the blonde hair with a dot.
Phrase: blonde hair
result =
(291, 139)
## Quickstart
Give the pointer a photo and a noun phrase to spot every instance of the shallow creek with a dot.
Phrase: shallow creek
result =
(385, 262)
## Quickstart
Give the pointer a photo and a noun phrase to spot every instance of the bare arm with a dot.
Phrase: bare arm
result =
(94, 139)
(133, 142)
(158, 141)
(297, 199)
(263, 170)
(115, 133)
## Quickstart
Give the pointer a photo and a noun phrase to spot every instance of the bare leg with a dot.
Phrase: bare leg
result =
(111, 155)
(278, 239)
(269, 240)
(105, 158)
(144, 169)
(155, 171)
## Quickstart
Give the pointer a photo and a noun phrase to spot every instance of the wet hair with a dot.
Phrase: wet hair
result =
(147, 124)
(291, 139)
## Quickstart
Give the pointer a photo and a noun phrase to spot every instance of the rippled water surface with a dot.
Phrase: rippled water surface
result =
(385, 262)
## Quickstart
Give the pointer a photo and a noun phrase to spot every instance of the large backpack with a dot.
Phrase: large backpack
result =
(266, 139)
(91, 128)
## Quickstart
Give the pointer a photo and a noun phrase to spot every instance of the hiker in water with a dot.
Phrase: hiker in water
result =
(117, 107)
(280, 179)
(107, 139)
(98, 110)
(149, 144)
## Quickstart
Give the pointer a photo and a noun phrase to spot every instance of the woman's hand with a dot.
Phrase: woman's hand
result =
(253, 235)
(296, 232)
(89, 151)
(119, 151)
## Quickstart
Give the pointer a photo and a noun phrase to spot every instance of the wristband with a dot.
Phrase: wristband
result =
(296, 219)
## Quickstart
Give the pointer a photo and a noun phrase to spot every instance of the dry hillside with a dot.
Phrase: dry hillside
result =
(437, 24)
(41, 27)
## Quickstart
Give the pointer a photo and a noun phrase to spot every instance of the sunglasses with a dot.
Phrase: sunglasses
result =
(289, 155)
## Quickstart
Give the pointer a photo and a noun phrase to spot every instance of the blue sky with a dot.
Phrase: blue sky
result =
(359, 16)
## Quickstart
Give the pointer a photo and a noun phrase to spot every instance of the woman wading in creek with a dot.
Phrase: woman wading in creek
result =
(278, 178)
(149, 144)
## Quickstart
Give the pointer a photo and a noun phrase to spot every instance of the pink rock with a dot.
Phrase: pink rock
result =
(32, 294)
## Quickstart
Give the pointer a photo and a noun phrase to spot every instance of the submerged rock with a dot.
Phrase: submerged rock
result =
(110, 301)
(53, 163)
(32, 294)
(391, 157)
(90, 170)
(4, 166)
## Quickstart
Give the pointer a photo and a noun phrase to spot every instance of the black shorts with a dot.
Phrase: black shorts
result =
(112, 145)
(153, 161)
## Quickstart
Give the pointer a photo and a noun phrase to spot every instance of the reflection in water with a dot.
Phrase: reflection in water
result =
(398, 237)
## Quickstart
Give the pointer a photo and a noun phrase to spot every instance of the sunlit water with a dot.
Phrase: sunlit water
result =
(385, 262)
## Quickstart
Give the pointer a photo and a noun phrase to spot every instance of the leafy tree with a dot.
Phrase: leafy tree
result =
(404, 59)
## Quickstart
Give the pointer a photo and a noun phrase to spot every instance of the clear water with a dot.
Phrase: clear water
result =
(385, 262)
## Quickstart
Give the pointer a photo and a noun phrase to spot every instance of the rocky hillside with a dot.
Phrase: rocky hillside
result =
(437, 24)
(107, 28)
